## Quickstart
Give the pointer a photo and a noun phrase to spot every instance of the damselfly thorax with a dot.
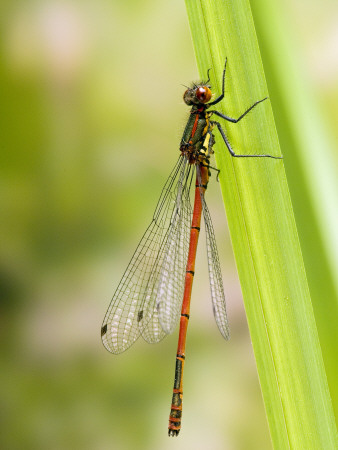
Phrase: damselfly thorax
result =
(198, 140)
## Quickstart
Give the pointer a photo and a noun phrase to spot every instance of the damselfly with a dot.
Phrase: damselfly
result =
(155, 290)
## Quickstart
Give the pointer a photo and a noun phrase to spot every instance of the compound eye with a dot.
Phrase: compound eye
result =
(187, 97)
(203, 94)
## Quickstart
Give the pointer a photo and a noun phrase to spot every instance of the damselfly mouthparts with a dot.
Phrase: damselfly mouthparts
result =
(155, 290)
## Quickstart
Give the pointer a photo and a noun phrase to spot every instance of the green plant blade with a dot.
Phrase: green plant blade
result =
(311, 171)
(263, 234)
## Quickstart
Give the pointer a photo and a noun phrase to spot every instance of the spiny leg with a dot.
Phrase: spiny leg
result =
(227, 143)
(208, 80)
(230, 119)
(211, 142)
(218, 99)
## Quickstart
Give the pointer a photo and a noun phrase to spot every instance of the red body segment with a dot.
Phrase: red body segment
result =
(176, 405)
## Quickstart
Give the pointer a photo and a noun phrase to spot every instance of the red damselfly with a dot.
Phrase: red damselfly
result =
(155, 290)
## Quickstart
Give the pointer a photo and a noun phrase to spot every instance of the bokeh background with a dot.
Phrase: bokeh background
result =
(91, 118)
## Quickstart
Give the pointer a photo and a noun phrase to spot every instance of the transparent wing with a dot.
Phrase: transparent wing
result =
(132, 309)
(215, 275)
(172, 280)
(166, 284)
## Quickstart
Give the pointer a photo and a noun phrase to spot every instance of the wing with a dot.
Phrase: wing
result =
(215, 275)
(166, 284)
(172, 280)
(132, 309)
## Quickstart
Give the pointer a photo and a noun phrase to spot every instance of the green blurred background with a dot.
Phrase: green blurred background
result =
(91, 118)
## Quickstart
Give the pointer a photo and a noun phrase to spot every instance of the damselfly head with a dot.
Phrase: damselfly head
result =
(198, 94)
